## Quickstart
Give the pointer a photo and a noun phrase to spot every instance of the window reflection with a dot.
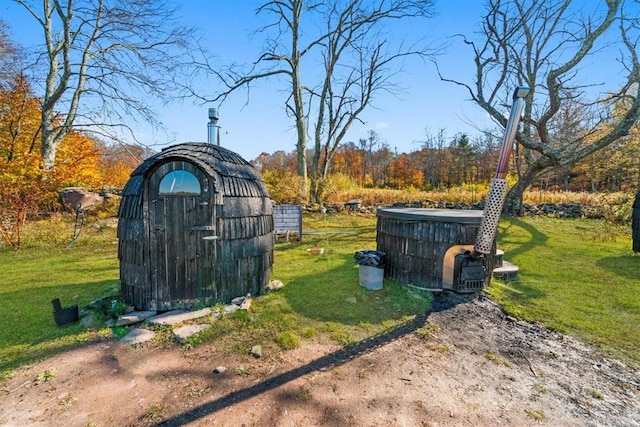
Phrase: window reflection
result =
(179, 183)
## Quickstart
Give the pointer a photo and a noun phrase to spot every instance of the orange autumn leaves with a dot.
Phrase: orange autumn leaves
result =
(80, 161)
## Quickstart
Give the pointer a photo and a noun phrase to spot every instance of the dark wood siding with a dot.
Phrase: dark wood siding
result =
(415, 242)
(184, 251)
(181, 256)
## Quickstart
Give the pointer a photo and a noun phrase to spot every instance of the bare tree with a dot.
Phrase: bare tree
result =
(10, 57)
(347, 59)
(431, 157)
(365, 154)
(368, 146)
(550, 46)
(103, 61)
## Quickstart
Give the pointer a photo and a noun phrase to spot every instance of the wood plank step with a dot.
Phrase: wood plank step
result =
(498, 258)
(507, 272)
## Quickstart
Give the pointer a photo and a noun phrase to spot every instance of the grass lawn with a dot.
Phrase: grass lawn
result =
(43, 270)
(322, 298)
(575, 276)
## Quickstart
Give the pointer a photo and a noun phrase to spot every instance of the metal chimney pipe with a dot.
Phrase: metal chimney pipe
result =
(212, 127)
(510, 131)
(499, 186)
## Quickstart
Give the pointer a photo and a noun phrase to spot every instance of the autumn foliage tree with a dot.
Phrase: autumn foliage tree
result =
(616, 167)
(117, 161)
(24, 191)
(101, 62)
(19, 129)
(21, 159)
(21, 189)
(405, 173)
(78, 163)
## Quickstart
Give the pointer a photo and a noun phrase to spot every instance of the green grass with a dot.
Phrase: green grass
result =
(576, 276)
(322, 298)
(326, 286)
(43, 270)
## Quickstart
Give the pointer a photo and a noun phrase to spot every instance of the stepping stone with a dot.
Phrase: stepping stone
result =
(231, 308)
(188, 331)
(138, 336)
(274, 285)
(178, 316)
(90, 321)
(134, 317)
(256, 351)
(237, 300)
(246, 304)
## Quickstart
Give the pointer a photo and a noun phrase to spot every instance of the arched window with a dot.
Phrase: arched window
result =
(179, 183)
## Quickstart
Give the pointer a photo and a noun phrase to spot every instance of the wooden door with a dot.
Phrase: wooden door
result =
(182, 236)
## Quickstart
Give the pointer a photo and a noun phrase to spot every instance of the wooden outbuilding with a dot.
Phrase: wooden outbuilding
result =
(195, 228)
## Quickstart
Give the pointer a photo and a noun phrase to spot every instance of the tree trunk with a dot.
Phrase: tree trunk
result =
(301, 149)
(49, 142)
(514, 202)
(313, 188)
(316, 190)
(319, 176)
(515, 197)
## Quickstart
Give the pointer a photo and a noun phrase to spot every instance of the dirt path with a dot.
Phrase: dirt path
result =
(467, 365)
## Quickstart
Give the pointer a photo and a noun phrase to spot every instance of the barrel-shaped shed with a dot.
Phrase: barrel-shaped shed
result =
(195, 228)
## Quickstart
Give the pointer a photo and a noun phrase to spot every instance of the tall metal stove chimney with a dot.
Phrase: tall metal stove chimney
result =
(499, 185)
(469, 267)
(213, 135)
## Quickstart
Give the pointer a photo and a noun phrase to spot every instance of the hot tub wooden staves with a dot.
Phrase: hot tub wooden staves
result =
(420, 244)
(195, 228)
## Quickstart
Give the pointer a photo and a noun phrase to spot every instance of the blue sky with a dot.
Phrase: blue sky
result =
(262, 124)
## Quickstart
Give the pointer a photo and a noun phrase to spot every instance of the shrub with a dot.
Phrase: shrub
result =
(18, 202)
(337, 183)
(284, 186)
(108, 209)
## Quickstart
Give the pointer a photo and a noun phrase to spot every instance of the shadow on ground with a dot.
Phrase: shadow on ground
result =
(441, 302)
(620, 265)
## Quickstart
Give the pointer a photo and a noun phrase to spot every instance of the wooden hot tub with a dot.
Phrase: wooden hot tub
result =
(420, 244)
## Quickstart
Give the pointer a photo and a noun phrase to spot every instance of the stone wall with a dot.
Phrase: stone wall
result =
(558, 210)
